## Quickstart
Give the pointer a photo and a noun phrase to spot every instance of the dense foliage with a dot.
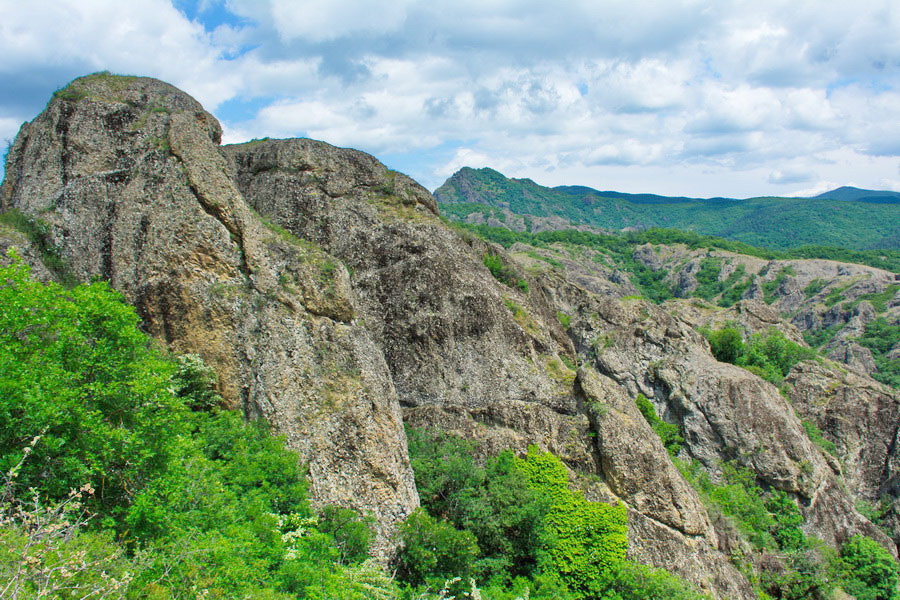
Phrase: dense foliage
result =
(503, 272)
(114, 484)
(868, 571)
(769, 222)
(771, 521)
(881, 336)
(514, 526)
(769, 355)
(493, 503)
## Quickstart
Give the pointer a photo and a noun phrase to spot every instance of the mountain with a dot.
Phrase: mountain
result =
(479, 195)
(332, 300)
(853, 194)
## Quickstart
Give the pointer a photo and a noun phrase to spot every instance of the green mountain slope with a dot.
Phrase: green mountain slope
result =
(857, 219)
(858, 195)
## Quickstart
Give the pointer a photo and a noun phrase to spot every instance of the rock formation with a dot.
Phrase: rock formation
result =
(334, 302)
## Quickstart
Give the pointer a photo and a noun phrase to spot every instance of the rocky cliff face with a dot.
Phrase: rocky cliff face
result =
(128, 177)
(334, 302)
(831, 300)
(860, 417)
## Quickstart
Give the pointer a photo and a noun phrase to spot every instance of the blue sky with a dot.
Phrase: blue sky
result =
(724, 98)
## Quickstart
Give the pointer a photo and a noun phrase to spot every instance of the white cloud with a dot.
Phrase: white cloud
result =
(747, 97)
(889, 184)
(322, 20)
(145, 38)
(466, 157)
(790, 176)
(819, 188)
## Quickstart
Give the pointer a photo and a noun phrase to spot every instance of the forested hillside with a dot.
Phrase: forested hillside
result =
(848, 220)
(849, 313)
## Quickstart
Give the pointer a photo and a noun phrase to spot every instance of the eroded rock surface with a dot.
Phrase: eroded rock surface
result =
(860, 417)
(127, 175)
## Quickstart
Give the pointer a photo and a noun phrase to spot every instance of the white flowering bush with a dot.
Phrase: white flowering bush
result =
(44, 552)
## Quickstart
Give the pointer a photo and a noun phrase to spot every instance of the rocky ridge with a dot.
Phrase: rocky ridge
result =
(830, 300)
(335, 303)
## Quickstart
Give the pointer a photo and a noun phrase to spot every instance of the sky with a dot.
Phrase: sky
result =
(719, 98)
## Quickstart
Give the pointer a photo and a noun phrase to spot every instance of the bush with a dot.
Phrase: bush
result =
(880, 337)
(493, 502)
(868, 571)
(727, 344)
(77, 371)
(669, 434)
(503, 272)
(631, 581)
(351, 532)
(203, 504)
(434, 551)
(774, 354)
(769, 355)
(582, 539)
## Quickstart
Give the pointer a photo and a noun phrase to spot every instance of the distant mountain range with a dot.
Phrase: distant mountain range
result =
(858, 195)
(848, 217)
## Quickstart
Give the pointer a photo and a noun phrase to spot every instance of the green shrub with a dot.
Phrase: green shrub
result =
(77, 371)
(351, 532)
(493, 502)
(879, 300)
(195, 381)
(582, 539)
(817, 338)
(727, 344)
(868, 571)
(815, 286)
(770, 288)
(503, 272)
(818, 438)
(740, 498)
(669, 434)
(769, 521)
(631, 581)
(708, 284)
(788, 521)
(732, 295)
(880, 337)
(773, 355)
(434, 550)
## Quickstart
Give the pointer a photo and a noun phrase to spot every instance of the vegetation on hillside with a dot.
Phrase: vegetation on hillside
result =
(771, 523)
(881, 337)
(770, 222)
(621, 245)
(123, 479)
(512, 528)
(117, 484)
(769, 355)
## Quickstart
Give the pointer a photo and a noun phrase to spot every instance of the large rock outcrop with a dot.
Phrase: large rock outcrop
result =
(127, 175)
(861, 418)
(724, 412)
(473, 356)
